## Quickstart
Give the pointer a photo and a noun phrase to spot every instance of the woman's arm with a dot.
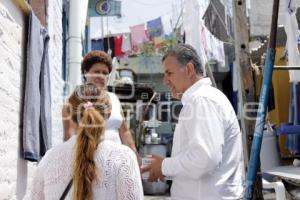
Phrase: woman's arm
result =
(126, 136)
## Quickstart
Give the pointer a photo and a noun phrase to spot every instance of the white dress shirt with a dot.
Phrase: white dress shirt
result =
(206, 161)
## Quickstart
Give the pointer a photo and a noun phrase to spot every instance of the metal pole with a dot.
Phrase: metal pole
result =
(261, 113)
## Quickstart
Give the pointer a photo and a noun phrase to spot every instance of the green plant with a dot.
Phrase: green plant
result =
(167, 44)
(147, 49)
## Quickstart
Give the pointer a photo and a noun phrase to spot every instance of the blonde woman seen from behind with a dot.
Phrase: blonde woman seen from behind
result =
(99, 169)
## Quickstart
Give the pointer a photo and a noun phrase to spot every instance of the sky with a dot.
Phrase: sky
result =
(135, 12)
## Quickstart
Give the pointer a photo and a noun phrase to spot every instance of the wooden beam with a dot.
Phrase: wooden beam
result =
(246, 87)
(246, 90)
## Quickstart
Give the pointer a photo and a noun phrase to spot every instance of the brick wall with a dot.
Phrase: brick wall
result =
(15, 173)
(55, 54)
(11, 27)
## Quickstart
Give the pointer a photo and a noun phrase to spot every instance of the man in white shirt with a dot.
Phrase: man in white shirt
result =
(206, 161)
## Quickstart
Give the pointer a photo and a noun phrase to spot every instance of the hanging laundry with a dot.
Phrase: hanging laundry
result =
(203, 37)
(109, 46)
(293, 140)
(138, 36)
(166, 23)
(191, 24)
(212, 47)
(126, 43)
(235, 82)
(292, 32)
(229, 17)
(37, 133)
(155, 28)
(214, 19)
(118, 46)
(97, 44)
(228, 8)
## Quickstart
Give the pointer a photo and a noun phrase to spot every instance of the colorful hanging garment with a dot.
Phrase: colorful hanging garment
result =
(138, 36)
(292, 32)
(291, 29)
(97, 44)
(118, 46)
(126, 43)
(155, 28)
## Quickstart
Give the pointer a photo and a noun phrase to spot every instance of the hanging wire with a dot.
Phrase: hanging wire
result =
(154, 4)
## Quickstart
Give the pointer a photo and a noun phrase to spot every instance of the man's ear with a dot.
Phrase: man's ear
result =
(190, 69)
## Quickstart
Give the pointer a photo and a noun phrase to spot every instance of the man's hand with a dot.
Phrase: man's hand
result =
(154, 169)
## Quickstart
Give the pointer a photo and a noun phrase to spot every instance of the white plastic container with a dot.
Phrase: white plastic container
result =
(269, 155)
(159, 187)
(147, 139)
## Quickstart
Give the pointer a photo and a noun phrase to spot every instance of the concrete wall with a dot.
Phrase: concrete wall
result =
(261, 15)
(143, 65)
(15, 173)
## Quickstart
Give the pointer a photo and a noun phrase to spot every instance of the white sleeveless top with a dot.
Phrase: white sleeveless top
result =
(114, 121)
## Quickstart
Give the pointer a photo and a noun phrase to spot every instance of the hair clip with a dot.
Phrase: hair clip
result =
(88, 105)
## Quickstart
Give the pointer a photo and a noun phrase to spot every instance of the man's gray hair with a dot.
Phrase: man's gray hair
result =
(184, 54)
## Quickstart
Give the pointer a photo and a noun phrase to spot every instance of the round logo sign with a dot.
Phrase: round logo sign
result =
(103, 7)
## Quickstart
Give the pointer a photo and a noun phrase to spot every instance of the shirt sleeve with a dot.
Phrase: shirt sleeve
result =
(201, 126)
(37, 188)
(129, 185)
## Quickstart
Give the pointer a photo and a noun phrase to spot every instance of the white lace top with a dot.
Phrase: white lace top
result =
(118, 173)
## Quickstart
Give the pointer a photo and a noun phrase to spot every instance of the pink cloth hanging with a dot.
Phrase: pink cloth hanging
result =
(138, 36)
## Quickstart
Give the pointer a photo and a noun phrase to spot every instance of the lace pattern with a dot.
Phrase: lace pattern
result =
(118, 175)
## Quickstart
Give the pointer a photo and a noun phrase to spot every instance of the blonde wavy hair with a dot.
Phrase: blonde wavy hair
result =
(89, 107)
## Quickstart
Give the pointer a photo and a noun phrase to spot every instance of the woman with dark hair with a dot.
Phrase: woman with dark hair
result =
(95, 68)
(96, 168)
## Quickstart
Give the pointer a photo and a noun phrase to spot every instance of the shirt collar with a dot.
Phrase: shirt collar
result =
(189, 92)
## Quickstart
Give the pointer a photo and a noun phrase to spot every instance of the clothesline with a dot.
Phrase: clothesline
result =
(147, 4)
(166, 22)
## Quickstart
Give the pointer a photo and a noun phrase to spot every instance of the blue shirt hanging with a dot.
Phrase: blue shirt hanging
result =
(97, 44)
(155, 27)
